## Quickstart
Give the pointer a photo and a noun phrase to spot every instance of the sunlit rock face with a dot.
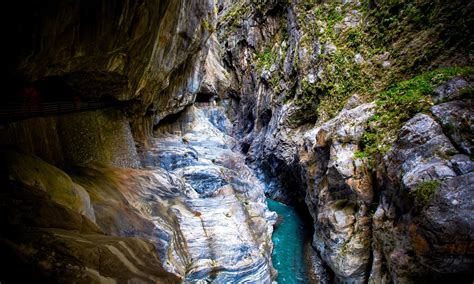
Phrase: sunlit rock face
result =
(339, 193)
(224, 225)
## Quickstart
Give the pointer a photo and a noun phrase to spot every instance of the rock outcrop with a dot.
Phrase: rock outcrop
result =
(148, 55)
(339, 193)
(223, 218)
(423, 224)
(49, 232)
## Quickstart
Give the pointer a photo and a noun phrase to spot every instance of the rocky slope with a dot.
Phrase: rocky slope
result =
(361, 110)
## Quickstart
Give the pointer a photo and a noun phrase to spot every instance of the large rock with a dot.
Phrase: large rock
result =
(339, 192)
(425, 214)
(42, 240)
(457, 118)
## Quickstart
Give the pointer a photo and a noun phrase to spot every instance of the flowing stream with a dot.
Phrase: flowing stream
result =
(289, 239)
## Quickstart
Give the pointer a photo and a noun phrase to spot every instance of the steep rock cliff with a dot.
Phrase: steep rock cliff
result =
(329, 99)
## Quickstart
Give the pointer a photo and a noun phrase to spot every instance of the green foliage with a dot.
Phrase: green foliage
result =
(425, 191)
(410, 35)
(334, 15)
(467, 93)
(265, 59)
(205, 24)
(399, 103)
(360, 155)
(354, 38)
(418, 32)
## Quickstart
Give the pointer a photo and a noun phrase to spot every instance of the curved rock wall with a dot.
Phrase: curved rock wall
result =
(147, 53)
(76, 139)
(122, 49)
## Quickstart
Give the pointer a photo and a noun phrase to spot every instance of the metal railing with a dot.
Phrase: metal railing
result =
(16, 111)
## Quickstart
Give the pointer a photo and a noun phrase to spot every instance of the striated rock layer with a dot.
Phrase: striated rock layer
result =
(211, 215)
(198, 212)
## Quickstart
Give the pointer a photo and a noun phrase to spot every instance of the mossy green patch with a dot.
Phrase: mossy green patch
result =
(425, 191)
(265, 59)
(233, 17)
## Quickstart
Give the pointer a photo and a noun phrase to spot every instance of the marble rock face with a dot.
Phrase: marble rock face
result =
(195, 213)
(222, 227)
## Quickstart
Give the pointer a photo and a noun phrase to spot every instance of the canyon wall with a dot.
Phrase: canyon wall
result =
(362, 111)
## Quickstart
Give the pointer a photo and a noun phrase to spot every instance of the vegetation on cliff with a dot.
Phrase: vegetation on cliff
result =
(398, 103)
(357, 48)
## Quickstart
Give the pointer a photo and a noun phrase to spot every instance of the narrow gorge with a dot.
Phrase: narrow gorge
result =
(246, 141)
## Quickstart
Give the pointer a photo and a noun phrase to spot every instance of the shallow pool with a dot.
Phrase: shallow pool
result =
(289, 241)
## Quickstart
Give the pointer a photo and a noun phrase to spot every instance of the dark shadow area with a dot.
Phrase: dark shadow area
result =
(204, 98)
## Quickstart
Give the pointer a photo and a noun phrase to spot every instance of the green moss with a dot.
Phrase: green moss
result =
(205, 24)
(265, 59)
(467, 93)
(425, 191)
(360, 155)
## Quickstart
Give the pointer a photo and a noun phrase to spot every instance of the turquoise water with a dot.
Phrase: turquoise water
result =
(289, 240)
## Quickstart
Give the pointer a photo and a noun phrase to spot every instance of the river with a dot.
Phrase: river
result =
(289, 239)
